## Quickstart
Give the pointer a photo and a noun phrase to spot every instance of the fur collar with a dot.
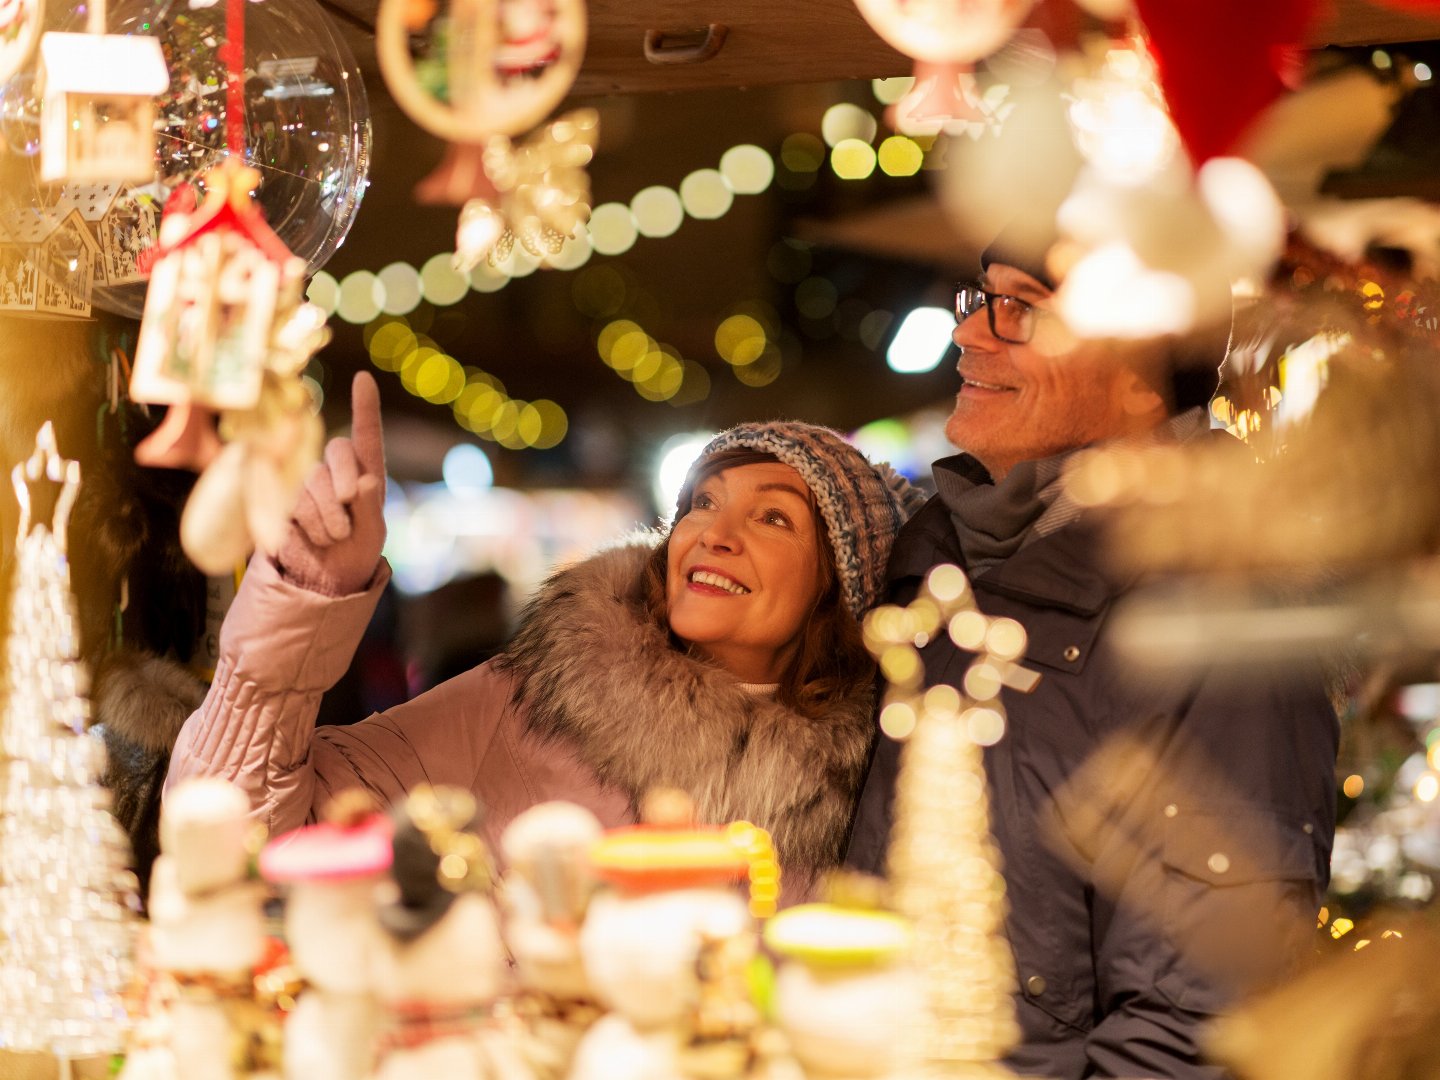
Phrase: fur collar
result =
(145, 699)
(592, 670)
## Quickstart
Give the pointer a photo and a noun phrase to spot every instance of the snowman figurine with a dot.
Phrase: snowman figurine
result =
(667, 949)
(545, 893)
(447, 966)
(206, 934)
(331, 870)
(846, 990)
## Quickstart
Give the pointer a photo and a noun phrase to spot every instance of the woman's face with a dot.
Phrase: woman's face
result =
(743, 572)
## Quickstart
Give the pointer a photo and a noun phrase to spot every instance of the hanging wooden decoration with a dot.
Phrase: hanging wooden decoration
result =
(226, 331)
(945, 37)
(476, 73)
(97, 109)
(47, 262)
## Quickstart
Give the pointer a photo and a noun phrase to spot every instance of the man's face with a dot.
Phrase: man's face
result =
(1023, 402)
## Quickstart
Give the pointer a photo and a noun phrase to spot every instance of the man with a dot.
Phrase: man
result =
(1165, 843)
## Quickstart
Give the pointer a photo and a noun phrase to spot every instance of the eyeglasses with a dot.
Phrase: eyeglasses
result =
(1012, 320)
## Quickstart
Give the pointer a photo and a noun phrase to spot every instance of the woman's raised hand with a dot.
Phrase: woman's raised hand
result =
(338, 529)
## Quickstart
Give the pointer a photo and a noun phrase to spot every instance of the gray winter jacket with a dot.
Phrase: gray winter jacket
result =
(1166, 846)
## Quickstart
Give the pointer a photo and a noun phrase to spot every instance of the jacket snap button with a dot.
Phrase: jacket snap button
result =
(1071, 653)
(1218, 863)
(1035, 985)
(1171, 810)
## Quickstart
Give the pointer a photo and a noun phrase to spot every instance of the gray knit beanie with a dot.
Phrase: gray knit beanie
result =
(862, 505)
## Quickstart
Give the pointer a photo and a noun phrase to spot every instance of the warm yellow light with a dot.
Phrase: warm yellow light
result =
(612, 333)
(1341, 926)
(897, 720)
(324, 292)
(453, 385)
(554, 424)
(488, 279)
(1354, 786)
(657, 210)
(747, 169)
(361, 297)
(612, 229)
(694, 387)
(802, 152)
(763, 371)
(389, 345)
(441, 283)
(967, 629)
(1427, 787)
(889, 91)
(401, 283)
(431, 375)
(900, 156)
(852, 159)
(986, 726)
(574, 254)
(846, 121)
(705, 194)
(410, 366)
(630, 351)
(740, 339)
(664, 382)
(507, 419)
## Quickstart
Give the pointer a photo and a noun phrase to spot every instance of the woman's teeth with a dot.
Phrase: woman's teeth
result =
(704, 577)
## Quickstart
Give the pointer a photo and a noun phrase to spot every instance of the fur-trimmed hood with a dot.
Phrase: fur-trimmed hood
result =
(591, 669)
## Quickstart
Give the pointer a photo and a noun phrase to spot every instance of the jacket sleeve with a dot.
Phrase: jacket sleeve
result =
(281, 648)
(1208, 829)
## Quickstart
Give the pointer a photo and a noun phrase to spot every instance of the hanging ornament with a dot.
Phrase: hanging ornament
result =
(945, 37)
(226, 331)
(486, 70)
(97, 113)
(65, 894)
(1223, 61)
(19, 27)
(298, 107)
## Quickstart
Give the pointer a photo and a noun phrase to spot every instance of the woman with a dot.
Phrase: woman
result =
(724, 660)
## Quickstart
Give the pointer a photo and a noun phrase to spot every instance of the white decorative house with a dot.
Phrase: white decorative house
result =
(124, 221)
(47, 263)
(97, 111)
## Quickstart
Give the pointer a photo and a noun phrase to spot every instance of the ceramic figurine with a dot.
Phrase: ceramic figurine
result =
(846, 991)
(331, 871)
(667, 949)
(206, 934)
(545, 894)
(447, 967)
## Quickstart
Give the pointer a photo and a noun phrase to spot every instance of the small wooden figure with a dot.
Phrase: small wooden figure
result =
(97, 112)
(124, 222)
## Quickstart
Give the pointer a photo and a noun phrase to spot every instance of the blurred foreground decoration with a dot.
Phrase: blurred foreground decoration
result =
(66, 897)
(227, 332)
(944, 866)
(477, 73)
(1372, 1013)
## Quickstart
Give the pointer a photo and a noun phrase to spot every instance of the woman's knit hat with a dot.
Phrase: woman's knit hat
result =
(862, 505)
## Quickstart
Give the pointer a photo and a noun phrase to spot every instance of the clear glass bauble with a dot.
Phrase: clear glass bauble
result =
(306, 123)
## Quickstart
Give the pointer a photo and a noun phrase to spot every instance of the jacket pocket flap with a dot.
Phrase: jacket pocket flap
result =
(1238, 848)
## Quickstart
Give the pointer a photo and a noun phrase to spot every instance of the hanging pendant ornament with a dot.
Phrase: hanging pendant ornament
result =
(945, 37)
(1223, 61)
(226, 331)
(97, 110)
(484, 71)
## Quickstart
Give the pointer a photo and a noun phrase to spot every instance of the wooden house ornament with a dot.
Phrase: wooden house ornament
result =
(221, 284)
(47, 262)
(97, 110)
(124, 221)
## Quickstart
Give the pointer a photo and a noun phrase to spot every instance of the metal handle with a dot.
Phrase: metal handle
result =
(684, 46)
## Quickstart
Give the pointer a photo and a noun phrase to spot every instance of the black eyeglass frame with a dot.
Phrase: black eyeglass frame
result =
(1028, 313)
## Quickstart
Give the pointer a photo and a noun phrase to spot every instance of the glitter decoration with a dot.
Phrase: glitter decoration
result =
(65, 893)
(944, 865)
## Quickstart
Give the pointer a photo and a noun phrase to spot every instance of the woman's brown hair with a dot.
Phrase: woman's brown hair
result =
(832, 660)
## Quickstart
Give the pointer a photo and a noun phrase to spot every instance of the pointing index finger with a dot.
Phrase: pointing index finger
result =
(365, 431)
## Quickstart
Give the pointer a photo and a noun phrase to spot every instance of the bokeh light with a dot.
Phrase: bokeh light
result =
(705, 194)
(922, 341)
(763, 371)
(361, 297)
(574, 254)
(488, 279)
(815, 297)
(441, 283)
(802, 152)
(694, 386)
(390, 343)
(747, 169)
(612, 229)
(658, 211)
(890, 91)
(900, 156)
(852, 159)
(401, 283)
(846, 121)
(324, 292)
(466, 470)
(740, 340)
